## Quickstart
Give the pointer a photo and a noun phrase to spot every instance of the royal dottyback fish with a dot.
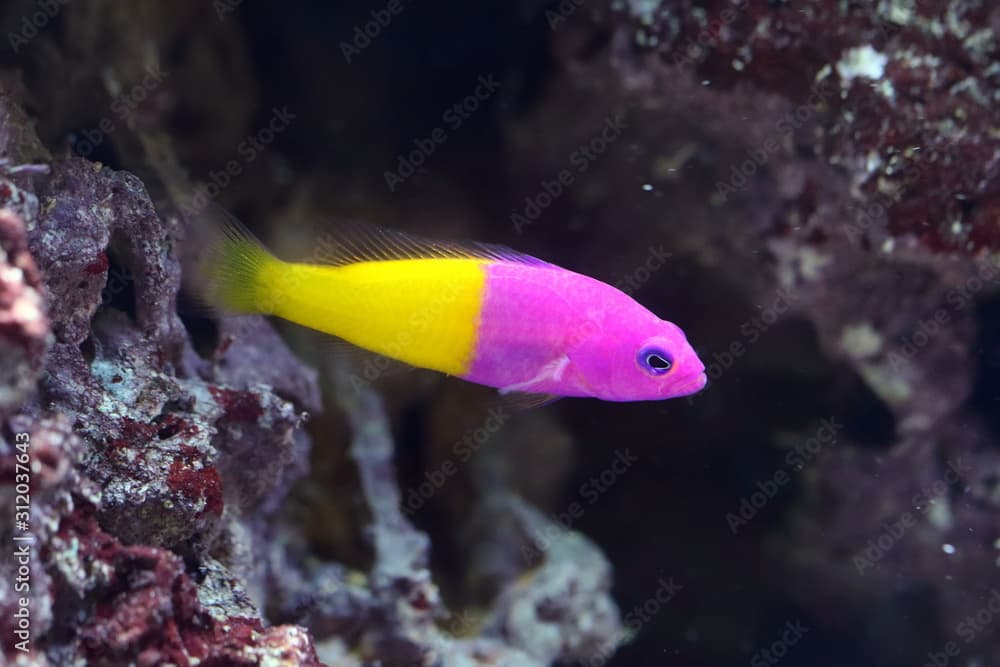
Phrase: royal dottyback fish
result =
(484, 313)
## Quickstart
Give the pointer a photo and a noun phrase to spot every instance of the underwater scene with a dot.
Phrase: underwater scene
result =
(383, 333)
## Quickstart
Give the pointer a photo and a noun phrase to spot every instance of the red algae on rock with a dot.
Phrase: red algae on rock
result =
(197, 484)
(911, 106)
(238, 406)
(147, 611)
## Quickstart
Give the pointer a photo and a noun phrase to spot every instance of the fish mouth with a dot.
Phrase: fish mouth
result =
(693, 386)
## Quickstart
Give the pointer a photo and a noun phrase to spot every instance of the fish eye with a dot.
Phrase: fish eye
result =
(655, 361)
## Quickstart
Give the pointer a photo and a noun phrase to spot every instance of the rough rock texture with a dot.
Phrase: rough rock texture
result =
(134, 457)
(23, 325)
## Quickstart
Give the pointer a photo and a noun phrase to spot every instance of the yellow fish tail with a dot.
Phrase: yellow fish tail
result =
(238, 270)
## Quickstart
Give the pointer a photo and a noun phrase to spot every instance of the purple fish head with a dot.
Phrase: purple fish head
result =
(642, 359)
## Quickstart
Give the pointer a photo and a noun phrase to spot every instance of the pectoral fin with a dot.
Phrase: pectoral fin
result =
(551, 371)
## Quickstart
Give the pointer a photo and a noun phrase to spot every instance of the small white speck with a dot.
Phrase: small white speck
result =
(886, 88)
(648, 187)
(948, 549)
(737, 64)
(862, 61)
(873, 162)
(706, 82)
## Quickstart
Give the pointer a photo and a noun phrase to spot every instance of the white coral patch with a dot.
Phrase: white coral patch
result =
(862, 61)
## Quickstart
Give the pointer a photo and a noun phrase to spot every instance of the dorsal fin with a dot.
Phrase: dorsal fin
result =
(349, 243)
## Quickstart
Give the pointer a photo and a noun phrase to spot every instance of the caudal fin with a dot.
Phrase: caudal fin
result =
(226, 268)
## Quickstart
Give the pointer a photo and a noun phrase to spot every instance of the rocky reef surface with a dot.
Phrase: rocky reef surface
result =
(811, 189)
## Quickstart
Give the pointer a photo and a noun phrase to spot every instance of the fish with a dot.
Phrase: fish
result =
(484, 313)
